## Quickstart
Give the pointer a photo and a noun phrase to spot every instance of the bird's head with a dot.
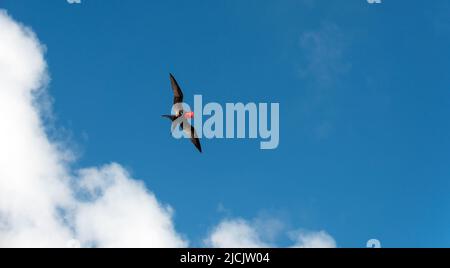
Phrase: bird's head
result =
(188, 115)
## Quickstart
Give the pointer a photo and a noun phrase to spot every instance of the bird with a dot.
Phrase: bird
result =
(180, 117)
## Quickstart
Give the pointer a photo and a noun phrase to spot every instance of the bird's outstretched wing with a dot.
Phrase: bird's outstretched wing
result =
(192, 134)
(177, 93)
(177, 96)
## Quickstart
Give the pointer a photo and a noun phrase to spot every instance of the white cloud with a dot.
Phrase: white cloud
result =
(235, 233)
(32, 176)
(319, 239)
(117, 202)
(239, 233)
(38, 206)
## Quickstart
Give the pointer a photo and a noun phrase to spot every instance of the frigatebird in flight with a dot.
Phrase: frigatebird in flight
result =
(180, 117)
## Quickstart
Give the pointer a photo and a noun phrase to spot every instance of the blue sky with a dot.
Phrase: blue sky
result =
(363, 91)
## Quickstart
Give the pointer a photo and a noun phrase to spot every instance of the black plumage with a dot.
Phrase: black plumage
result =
(178, 119)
